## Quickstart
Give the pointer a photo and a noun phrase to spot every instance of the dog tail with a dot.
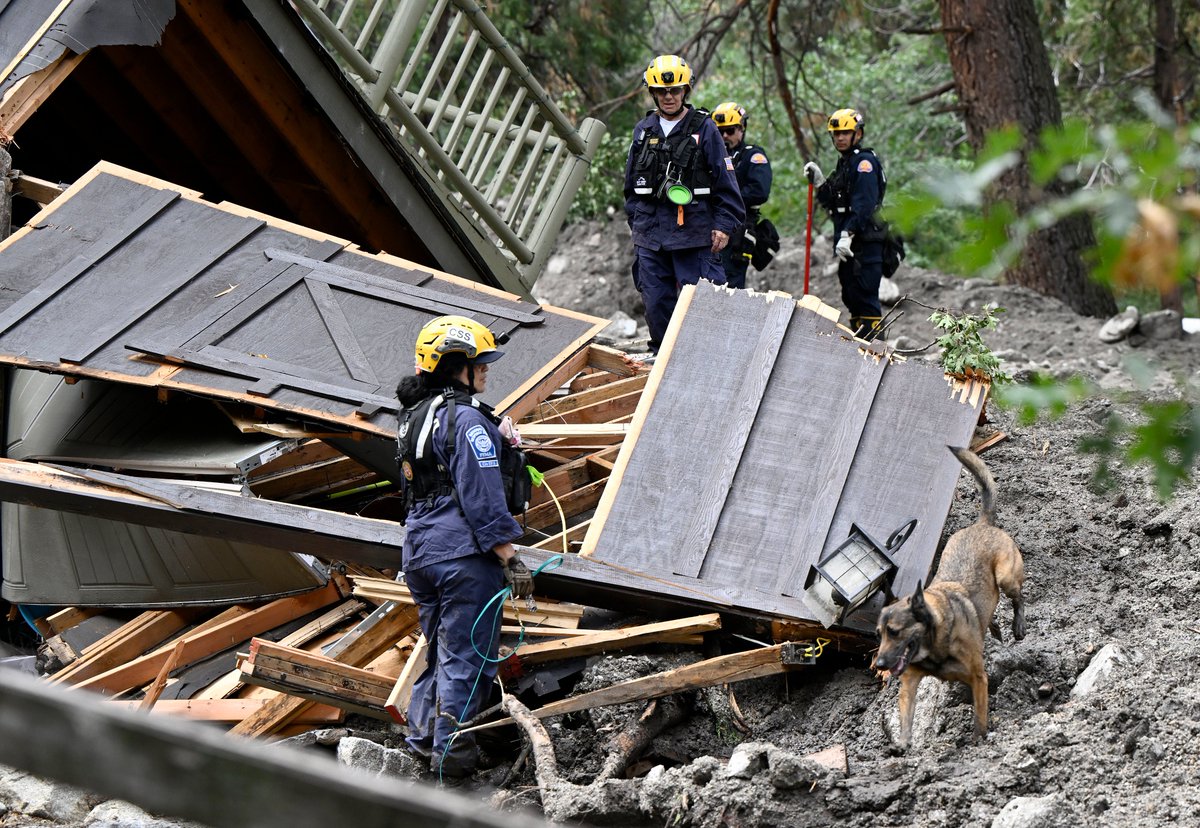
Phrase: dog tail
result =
(987, 484)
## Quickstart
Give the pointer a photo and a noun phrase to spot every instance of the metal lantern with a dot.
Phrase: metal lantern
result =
(855, 570)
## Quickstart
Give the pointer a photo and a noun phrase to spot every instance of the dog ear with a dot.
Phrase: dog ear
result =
(920, 609)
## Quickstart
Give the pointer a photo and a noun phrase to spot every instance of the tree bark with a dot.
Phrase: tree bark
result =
(1002, 76)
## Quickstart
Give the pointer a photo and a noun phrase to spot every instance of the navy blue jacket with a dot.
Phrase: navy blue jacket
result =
(654, 222)
(438, 529)
(854, 192)
(753, 171)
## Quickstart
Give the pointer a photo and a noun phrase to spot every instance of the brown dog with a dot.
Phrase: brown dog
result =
(939, 630)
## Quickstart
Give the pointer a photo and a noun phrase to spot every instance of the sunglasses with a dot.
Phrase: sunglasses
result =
(671, 90)
(728, 130)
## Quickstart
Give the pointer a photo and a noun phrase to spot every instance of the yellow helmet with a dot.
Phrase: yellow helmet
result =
(845, 120)
(668, 70)
(455, 335)
(729, 114)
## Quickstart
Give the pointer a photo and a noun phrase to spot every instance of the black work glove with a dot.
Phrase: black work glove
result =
(518, 578)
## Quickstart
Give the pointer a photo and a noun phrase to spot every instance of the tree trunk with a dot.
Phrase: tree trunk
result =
(1002, 76)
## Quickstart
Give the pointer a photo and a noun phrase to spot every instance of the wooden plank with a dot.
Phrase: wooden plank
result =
(563, 540)
(154, 204)
(765, 661)
(720, 460)
(222, 236)
(553, 431)
(613, 409)
(36, 189)
(310, 691)
(396, 704)
(341, 332)
(22, 100)
(401, 293)
(269, 653)
(649, 393)
(612, 361)
(548, 613)
(206, 643)
(550, 410)
(160, 680)
(257, 290)
(282, 709)
(228, 711)
(534, 391)
(572, 503)
(67, 618)
(124, 644)
(609, 641)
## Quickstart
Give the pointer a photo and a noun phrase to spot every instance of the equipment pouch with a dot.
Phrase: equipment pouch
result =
(766, 244)
(518, 486)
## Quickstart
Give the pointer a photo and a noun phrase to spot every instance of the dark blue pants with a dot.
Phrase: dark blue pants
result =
(735, 261)
(658, 276)
(450, 596)
(860, 279)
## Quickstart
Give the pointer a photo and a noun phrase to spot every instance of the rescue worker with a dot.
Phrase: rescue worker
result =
(753, 171)
(681, 195)
(852, 195)
(458, 549)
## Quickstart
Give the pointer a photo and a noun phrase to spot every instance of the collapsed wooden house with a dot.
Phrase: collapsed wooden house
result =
(198, 481)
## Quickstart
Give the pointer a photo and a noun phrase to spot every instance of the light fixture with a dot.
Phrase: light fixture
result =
(848, 576)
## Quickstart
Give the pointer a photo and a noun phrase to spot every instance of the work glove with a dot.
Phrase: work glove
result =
(842, 249)
(813, 173)
(518, 578)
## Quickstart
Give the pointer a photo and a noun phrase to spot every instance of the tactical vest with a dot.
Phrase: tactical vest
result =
(423, 476)
(660, 162)
(839, 182)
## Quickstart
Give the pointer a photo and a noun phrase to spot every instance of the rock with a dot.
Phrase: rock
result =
(44, 798)
(1030, 812)
(1100, 667)
(1161, 325)
(889, 294)
(1119, 326)
(325, 736)
(931, 700)
(362, 754)
(557, 265)
(789, 772)
(620, 326)
(118, 814)
(747, 761)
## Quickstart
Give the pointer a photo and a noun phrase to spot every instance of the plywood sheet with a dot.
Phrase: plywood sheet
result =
(842, 433)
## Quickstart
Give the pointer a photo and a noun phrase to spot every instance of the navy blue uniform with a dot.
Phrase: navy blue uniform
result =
(452, 573)
(667, 253)
(852, 195)
(753, 171)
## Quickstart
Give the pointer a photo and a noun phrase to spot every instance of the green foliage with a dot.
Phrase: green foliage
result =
(964, 353)
(1042, 395)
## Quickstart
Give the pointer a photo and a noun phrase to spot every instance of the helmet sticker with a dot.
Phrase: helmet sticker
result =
(864, 166)
(482, 447)
(758, 158)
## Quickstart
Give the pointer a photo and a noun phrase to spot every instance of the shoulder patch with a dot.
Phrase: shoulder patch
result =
(758, 158)
(728, 163)
(865, 166)
(482, 446)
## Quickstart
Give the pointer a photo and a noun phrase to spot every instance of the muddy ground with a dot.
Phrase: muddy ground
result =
(1095, 714)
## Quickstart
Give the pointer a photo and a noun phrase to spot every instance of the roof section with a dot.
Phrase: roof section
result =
(136, 280)
(751, 475)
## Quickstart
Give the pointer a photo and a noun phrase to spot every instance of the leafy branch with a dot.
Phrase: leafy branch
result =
(964, 353)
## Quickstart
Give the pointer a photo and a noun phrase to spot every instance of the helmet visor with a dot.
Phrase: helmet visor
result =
(487, 356)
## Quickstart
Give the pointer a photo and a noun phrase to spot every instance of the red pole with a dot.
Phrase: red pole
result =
(808, 238)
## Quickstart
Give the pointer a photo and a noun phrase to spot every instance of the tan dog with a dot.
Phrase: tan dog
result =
(938, 631)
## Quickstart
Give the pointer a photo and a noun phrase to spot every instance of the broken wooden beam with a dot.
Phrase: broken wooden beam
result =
(621, 639)
(311, 676)
(548, 613)
(227, 711)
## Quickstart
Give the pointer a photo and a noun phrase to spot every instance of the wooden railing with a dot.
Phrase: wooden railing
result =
(492, 142)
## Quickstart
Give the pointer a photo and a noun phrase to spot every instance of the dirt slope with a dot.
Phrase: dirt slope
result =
(1112, 580)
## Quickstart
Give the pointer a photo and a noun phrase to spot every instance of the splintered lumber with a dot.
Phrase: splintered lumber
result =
(202, 644)
(65, 619)
(557, 410)
(396, 703)
(231, 682)
(160, 681)
(281, 710)
(311, 676)
(228, 711)
(123, 644)
(572, 504)
(548, 613)
(610, 640)
(766, 661)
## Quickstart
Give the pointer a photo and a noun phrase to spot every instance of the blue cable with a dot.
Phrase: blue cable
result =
(502, 595)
